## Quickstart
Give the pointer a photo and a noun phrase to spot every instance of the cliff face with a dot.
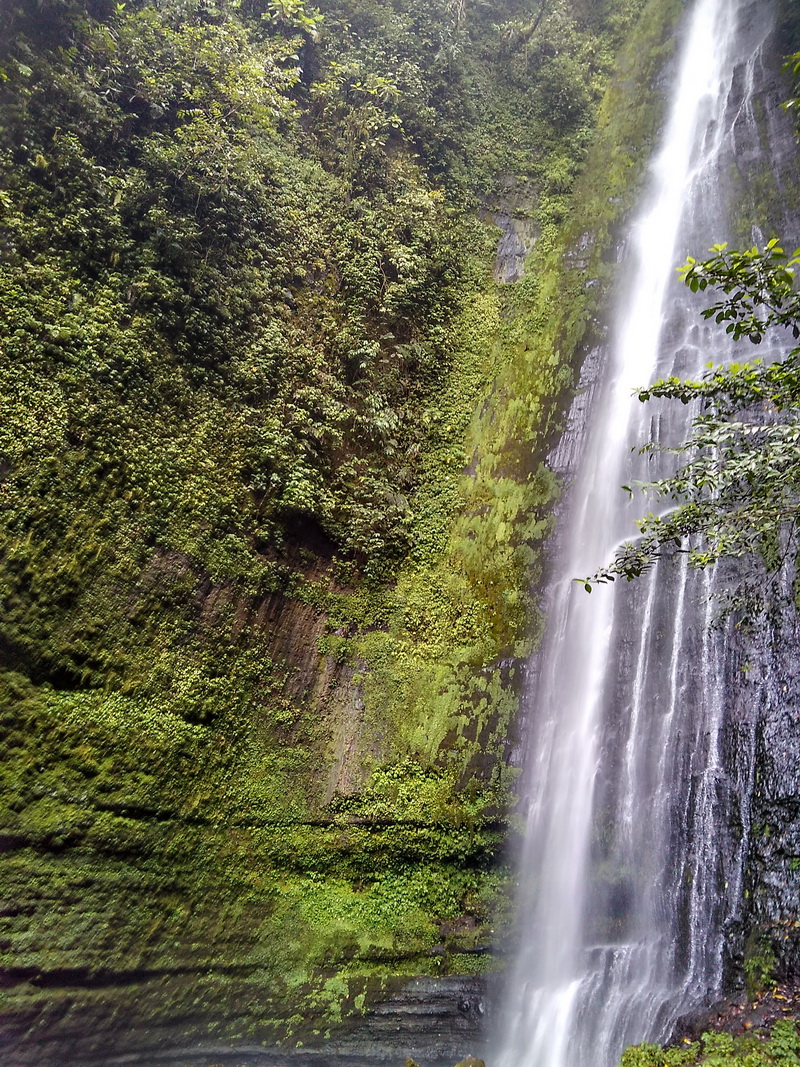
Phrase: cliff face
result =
(764, 748)
(273, 501)
(761, 737)
(272, 505)
(267, 539)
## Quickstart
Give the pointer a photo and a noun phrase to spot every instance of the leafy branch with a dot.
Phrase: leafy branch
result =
(736, 496)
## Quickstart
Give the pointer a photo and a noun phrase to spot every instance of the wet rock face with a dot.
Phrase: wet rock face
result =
(429, 1021)
(762, 760)
(773, 871)
(761, 740)
(740, 1014)
(432, 1020)
(517, 239)
(511, 210)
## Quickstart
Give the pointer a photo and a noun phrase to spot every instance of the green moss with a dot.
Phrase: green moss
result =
(778, 1045)
(275, 488)
(760, 962)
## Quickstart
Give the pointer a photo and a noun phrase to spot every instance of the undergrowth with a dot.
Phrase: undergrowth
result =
(781, 1046)
(273, 492)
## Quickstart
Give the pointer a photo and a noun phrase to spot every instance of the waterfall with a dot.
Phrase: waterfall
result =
(629, 872)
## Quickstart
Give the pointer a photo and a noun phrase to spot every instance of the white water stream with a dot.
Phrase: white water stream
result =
(630, 872)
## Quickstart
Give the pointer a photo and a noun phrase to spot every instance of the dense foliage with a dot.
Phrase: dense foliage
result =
(780, 1048)
(234, 247)
(267, 524)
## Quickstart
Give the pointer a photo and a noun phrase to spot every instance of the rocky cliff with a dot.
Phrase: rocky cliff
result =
(274, 499)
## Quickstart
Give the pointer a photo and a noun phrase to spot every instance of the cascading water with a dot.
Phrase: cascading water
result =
(629, 872)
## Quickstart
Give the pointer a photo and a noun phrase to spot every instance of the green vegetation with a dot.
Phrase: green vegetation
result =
(760, 963)
(780, 1047)
(272, 483)
(793, 68)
